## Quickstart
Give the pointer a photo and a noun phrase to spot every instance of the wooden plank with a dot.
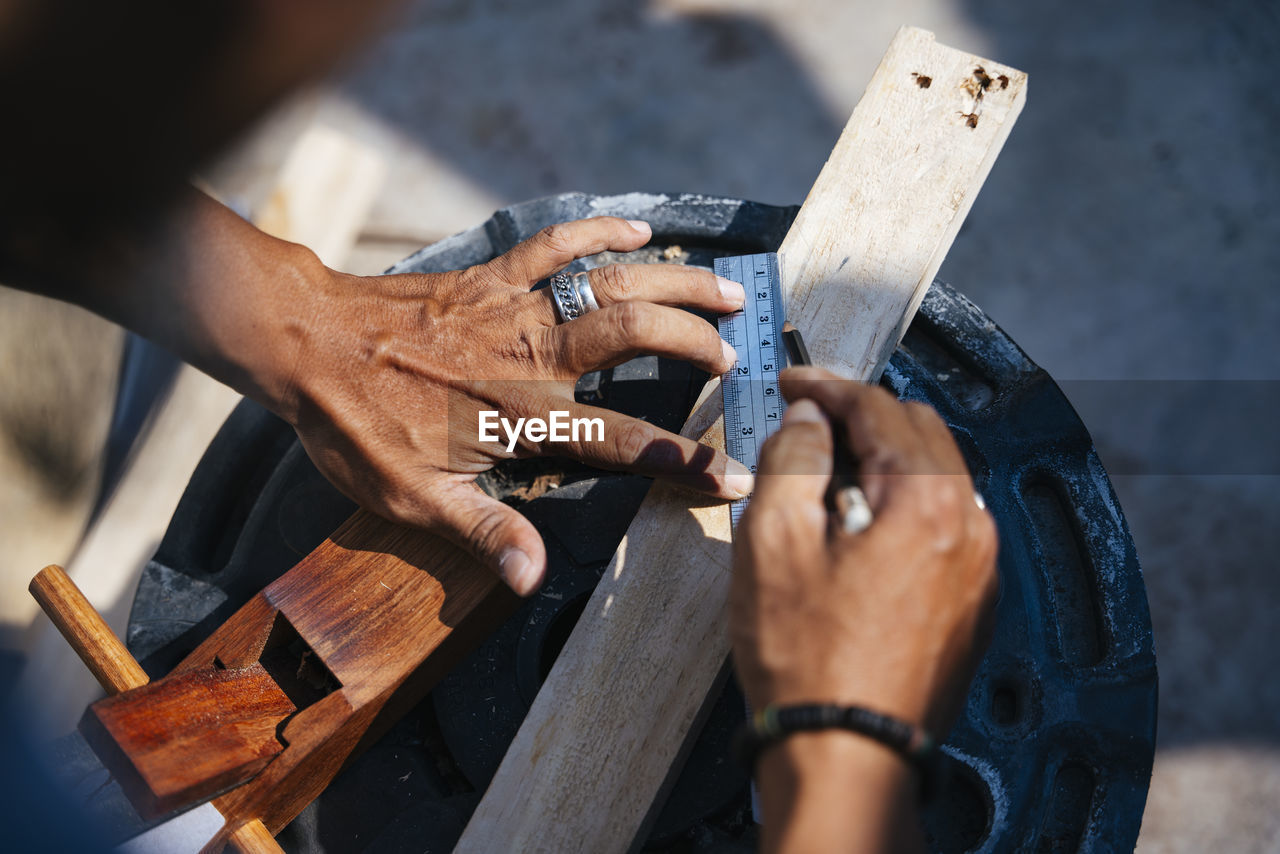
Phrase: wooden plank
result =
(586, 768)
(887, 205)
(326, 189)
(608, 702)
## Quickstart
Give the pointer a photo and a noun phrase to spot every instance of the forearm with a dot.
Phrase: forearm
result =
(837, 791)
(200, 281)
(384, 377)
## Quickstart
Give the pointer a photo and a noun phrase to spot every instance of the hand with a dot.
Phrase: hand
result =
(895, 618)
(392, 373)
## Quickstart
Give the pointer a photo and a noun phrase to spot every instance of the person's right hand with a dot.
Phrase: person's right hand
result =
(894, 618)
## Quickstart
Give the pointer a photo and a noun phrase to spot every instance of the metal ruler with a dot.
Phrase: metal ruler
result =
(753, 403)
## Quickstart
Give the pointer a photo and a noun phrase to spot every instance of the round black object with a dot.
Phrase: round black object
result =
(1054, 749)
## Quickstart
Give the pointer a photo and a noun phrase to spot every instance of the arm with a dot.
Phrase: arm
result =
(384, 377)
(894, 618)
(836, 791)
(200, 281)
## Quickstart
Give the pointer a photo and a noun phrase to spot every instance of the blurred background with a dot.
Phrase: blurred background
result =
(1129, 232)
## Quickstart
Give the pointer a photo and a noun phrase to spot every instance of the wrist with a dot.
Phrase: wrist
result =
(774, 723)
(899, 695)
(265, 337)
(834, 790)
(251, 330)
(225, 297)
(831, 754)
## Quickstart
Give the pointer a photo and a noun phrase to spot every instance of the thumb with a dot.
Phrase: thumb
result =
(495, 534)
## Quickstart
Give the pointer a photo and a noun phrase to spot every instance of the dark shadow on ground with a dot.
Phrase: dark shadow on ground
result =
(527, 99)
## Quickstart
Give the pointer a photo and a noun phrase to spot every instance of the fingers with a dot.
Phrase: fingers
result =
(887, 435)
(497, 535)
(781, 538)
(558, 245)
(908, 462)
(620, 332)
(664, 284)
(888, 438)
(617, 442)
(795, 463)
(874, 425)
(877, 425)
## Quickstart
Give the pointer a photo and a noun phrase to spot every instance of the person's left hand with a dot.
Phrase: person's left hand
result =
(391, 373)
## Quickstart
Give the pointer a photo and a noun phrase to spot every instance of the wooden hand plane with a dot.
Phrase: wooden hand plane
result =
(268, 709)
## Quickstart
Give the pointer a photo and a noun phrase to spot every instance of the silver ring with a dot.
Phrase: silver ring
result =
(572, 295)
(855, 512)
(588, 296)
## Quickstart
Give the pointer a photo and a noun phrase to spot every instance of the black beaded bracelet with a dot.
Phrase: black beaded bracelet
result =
(772, 724)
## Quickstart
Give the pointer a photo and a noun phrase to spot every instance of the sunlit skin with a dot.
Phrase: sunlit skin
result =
(895, 618)
(383, 377)
(110, 108)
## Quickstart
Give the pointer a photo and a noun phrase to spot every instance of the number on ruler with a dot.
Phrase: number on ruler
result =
(752, 404)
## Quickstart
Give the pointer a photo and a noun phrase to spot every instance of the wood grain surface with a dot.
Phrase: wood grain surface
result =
(377, 612)
(887, 205)
(184, 739)
(389, 611)
(117, 671)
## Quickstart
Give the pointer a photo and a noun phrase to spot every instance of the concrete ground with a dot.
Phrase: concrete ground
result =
(1128, 232)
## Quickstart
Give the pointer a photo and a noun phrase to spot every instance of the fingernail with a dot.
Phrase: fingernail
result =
(730, 354)
(641, 226)
(803, 411)
(738, 482)
(732, 291)
(518, 571)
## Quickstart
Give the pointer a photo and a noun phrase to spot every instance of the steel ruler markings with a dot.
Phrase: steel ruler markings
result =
(753, 403)
(752, 400)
